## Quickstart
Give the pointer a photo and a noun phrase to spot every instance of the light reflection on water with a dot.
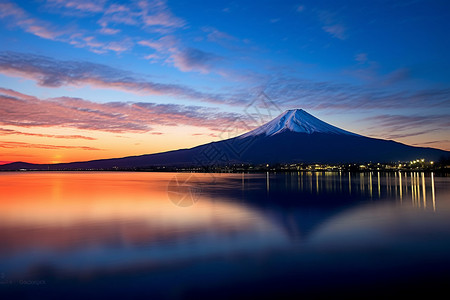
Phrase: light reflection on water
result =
(60, 226)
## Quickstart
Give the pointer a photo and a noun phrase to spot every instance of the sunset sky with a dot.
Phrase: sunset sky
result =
(90, 79)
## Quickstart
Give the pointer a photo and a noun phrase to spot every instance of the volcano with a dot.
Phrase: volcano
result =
(295, 136)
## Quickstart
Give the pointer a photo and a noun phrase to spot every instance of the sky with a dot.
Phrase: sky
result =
(90, 79)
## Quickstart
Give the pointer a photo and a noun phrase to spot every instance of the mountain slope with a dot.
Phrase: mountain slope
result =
(293, 137)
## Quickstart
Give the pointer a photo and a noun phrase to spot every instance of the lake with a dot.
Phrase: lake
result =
(191, 235)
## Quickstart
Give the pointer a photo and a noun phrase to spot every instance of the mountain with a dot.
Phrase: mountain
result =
(293, 137)
(296, 120)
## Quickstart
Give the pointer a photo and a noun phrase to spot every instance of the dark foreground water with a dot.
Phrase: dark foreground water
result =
(220, 236)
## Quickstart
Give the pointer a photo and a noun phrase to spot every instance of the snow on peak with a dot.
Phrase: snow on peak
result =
(296, 120)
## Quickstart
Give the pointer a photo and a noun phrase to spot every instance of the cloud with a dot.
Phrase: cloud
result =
(432, 142)
(146, 14)
(395, 126)
(143, 13)
(165, 44)
(90, 6)
(90, 42)
(332, 25)
(407, 122)
(186, 59)
(119, 14)
(191, 59)
(4, 131)
(12, 145)
(396, 76)
(361, 58)
(109, 31)
(214, 35)
(17, 109)
(154, 15)
(157, 13)
(336, 30)
(18, 17)
(50, 72)
(303, 93)
(9, 9)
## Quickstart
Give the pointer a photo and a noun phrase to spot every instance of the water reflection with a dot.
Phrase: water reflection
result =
(393, 185)
(61, 225)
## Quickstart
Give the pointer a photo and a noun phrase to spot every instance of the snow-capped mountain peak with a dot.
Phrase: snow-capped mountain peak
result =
(296, 120)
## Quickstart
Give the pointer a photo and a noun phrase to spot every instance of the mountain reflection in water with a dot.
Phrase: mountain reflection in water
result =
(180, 235)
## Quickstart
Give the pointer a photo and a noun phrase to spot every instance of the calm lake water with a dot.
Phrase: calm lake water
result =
(191, 236)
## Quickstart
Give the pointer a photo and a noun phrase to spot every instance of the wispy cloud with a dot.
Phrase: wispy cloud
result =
(327, 95)
(18, 17)
(91, 42)
(191, 59)
(431, 143)
(145, 14)
(215, 35)
(332, 25)
(4, 131)
(49, 72)
(157, 13)
(90, 6)
(9, 9)
(361, 58)
(336, 30)
(109, 31)
(142, 13)
(17, 109)
(165, 44)
(417, 126)
(399, 126)
(153, 15)
(186, 59)
(12, 145)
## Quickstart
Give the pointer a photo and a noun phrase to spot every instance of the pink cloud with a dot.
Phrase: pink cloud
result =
(9, 9)
(157, 13)
(109, 31)
(92, 6)
(42, 32)
(21, 19)
(119, 46)
(165, 44)
(154, 13)
(78, 39)
(17, 109)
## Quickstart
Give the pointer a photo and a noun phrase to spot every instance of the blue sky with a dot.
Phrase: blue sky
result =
(378, 68)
